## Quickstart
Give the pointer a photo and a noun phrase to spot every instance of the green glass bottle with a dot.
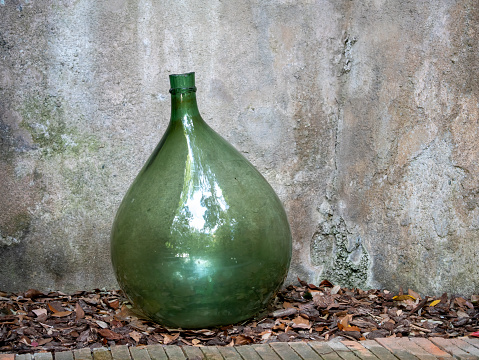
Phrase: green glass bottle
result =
(200, 238)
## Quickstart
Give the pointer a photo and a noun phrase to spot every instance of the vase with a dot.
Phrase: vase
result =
(200, 238)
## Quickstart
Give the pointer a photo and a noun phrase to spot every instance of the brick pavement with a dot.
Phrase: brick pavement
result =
(378, 349)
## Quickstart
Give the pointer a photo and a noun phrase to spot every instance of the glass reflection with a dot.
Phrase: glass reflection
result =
(197, 267)
(202, 212)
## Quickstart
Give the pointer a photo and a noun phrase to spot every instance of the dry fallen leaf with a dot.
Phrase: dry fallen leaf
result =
(167, 338)
(287, 305)
(110, 335)
(403, 298)
(335, 289)
(44, 341)
(25, 340)
(351, 328)
(326, 283)
(285, 312)
(101, 324)
(135, 335)
(205, 332)
(32, 293)
(115, 304)
(80, 314)
(301, 323)
(460, 301)
(434, 303)
(414, 294)
(242, 340)
(323, 300)
(40, 312)
(344, 322)
(124, 314)
(462, 314)
(55, 307)
(61, 313)
(303, 283)
(265, 335)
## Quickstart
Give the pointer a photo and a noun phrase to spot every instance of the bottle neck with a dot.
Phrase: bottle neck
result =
(183, 97)
(183, 104)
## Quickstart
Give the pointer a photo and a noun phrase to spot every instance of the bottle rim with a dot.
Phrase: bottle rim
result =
(182, 83)
(184, 74)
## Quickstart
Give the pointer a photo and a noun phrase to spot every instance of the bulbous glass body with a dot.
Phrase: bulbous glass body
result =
(200, 238)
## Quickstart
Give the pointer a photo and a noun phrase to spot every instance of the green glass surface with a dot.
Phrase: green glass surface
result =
(200, 238)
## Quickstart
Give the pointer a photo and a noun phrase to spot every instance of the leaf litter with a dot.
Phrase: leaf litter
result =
(35, 321)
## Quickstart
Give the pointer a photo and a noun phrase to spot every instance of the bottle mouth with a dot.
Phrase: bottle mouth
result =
(188, 74)
(182, 83)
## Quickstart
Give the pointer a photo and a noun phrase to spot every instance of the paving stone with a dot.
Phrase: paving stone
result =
(324, 350)
(304, 350)
(284, 351)
(119, 352)
(359, 350)
(139, 353)
(473, 341)
(247, 352)
(342, 350)
(211, 352)
(452, 348)
(378, 350)
(7, 356)
(431, 348)
(174, 352)
(193, 353)
(392, 345)
(265, 352)
(23, 357)
(466, 347)
(229, 353)
(43, 356)
(63, 355)
(415, 349)
(157, 352)
(82, 354)
(101, 353)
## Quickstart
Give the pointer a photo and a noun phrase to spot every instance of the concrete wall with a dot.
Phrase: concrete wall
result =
(363, 115)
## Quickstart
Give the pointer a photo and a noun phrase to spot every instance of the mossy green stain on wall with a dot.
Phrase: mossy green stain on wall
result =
(344, 262)
(62, 146)
(344, 271)
(16, 229)
(20, 223)
(46, 120)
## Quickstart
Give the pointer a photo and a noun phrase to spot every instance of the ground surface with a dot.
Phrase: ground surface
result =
(380, 348)
(34, 321)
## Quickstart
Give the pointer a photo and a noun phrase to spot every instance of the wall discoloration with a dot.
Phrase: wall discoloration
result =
(362, 115)
(18, 194)
(339, 251)
(401, 181)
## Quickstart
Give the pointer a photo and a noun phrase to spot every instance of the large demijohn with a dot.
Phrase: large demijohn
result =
(200, 238)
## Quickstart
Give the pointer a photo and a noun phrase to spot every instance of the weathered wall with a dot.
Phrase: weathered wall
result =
(408, 148)
(363, 115)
